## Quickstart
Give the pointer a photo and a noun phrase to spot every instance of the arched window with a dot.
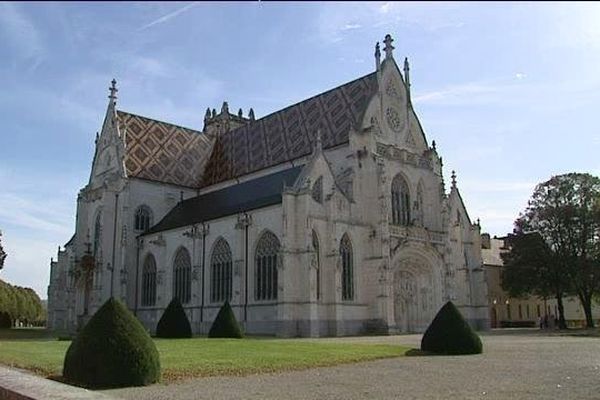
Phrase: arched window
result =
(97, 234)
(400, 202)
(143, 219)
(182, 276)
(97, 276)
(220, 272)
(265, 261)
(347, 268)
(315, 244)
(420, 205)
(149, 281)
(317, 190)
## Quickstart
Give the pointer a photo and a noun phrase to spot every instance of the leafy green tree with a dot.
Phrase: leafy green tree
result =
(3, 254)
(530, 268)
(565, 212)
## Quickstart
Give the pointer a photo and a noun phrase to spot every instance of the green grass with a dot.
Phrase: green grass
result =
(200, 357)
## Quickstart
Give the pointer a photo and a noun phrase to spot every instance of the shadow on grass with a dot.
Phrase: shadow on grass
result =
(418, 353)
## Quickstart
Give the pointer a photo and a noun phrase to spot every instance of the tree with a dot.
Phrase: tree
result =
(565, 212)
(3, 254)
(531, 268)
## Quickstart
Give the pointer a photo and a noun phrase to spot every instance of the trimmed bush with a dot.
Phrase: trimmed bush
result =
(449, 333)
(174, 322)
(225, 325)
(112, 350)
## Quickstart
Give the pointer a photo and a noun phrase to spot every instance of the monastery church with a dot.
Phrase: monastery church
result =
(329, 217)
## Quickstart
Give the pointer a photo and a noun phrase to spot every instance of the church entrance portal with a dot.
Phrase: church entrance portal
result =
(415, 298)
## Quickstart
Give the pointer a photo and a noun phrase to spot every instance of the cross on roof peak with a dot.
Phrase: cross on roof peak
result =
(113, 90)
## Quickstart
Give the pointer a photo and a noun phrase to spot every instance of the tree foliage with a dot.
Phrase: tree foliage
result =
(556, 243)
(3, 254)
(22, 304)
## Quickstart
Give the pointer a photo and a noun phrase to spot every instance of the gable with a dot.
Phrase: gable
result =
(163, 152)
(290, 133)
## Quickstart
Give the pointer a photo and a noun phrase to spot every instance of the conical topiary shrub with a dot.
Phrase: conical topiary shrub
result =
(174, 322)
(449, 333)
(225, 325)
(112, 350)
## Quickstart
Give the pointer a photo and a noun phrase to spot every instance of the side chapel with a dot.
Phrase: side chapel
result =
(329, 217)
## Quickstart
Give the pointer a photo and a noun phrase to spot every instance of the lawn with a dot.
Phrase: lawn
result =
(199, 357)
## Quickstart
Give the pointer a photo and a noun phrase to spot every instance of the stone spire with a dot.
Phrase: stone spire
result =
(389, 49)
(113, 90)
(225, 108)
(240, 113)
(377, 57)
(207, 115)
(453, 176)
(251, 114)
(407, 77)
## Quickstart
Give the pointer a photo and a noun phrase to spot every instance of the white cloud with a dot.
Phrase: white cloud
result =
(520, 75)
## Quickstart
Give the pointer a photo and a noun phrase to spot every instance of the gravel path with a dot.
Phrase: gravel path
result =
(513, 366)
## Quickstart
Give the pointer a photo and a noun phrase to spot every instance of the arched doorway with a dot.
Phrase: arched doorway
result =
(417, 294)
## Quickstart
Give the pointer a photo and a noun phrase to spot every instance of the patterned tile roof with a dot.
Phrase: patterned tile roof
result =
(288, 134)
(164, 152)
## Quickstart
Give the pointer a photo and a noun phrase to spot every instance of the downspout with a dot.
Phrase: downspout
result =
(137, 271)
(112, 269)
(203, 266)
(246, 275)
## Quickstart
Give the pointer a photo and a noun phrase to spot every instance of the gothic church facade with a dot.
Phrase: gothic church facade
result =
(329, 217)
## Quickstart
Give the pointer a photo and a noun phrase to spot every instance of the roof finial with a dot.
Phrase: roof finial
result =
(388, 46)
(407, 76)
(113, 90)
(207, 115)
(240, 113)
(377, 57)
(453, 176)
(318, 142)
(251, 114)
(225, 108)
(433, 145)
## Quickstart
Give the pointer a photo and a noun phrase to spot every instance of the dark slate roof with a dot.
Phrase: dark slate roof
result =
(289, 133)
(246, 196)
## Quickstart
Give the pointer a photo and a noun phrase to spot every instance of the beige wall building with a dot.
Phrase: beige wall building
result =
(508, 311)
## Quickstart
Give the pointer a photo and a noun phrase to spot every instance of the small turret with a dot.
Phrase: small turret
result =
(377, 57)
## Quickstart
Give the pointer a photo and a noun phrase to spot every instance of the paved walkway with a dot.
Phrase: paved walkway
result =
(513, 366)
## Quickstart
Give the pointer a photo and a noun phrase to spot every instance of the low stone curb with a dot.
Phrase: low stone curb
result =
(17, 385)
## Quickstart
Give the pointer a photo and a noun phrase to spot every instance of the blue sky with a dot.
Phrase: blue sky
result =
(510, 92)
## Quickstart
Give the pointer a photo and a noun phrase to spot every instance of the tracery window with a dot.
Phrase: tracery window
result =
(220, 272)
(266, 260)
(182, 276)
(97, 234)
(400, 201)
(149, 281)
(347, 268)
(420, 206)
(317, 190)
(315, 244)
(143, 218)
(97, 251)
